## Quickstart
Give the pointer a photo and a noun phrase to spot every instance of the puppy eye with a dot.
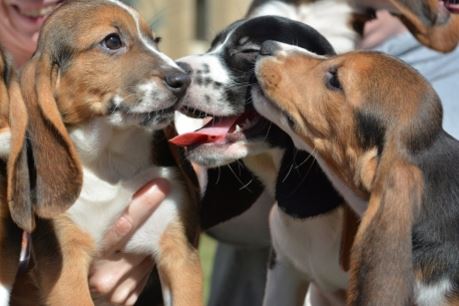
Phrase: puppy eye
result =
(112, 42)
(290, 121)
(332, 80)
(250, 50)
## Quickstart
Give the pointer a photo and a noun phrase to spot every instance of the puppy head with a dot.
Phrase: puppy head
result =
(102, 60)
(220, 90)
(350, 109)
(94, 59)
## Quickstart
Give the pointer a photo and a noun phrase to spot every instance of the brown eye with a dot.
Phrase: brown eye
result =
(112, 42)
(331, 79)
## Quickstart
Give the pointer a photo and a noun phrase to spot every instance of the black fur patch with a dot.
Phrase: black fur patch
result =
(435, 233)
(162, 155)
(370, 130)
(302, 189)
(225, 198)
(272, 259)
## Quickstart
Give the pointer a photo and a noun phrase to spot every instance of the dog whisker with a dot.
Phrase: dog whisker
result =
(244, 185)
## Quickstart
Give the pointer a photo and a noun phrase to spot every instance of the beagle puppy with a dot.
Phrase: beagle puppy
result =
(98, 94)
(374, 125)
(309, 212)
(432, 22)
(13, 122)
(339, 21)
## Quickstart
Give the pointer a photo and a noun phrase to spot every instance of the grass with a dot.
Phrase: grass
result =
(207, 247)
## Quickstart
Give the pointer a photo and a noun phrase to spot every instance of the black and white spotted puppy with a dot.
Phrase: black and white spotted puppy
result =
(307, 220)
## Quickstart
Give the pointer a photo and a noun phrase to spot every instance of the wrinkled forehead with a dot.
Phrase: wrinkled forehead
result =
(257, 30)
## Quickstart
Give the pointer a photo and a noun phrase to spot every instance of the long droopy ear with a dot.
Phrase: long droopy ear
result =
(381, 260)
(47, 166)
(428, 27)
(18, 191)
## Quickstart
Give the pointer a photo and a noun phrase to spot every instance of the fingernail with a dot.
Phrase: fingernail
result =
(153, 186)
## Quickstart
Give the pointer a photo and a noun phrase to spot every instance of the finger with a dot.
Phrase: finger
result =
(136, 293)
(127, 286)
(106, 274)
(143, 204)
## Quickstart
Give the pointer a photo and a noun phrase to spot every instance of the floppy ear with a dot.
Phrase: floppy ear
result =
(47, 163)
(18, 186)
(440, 35)
(381, 261)
(302, 189)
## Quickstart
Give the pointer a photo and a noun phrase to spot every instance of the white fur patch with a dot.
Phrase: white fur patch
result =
(116, 163)
(212, 68)
(4, 295)
(429, 295)
(5, 144)
(311, 245)
(330, 17)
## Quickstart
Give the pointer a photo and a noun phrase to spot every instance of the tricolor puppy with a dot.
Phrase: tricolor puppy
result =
(434, 23)
(375, 126)
(308, 219)
(98, 91)
(13, 122)
(341, 21)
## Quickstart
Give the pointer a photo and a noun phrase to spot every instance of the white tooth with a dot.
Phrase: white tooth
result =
(238, 128)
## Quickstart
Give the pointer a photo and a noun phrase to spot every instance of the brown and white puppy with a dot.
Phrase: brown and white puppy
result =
(98, 91)
(374, 125)
(13, 121)
(434, 23)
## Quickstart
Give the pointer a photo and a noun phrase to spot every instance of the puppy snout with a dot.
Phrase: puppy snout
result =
(177, 82)
(269, 47)
(186, 67)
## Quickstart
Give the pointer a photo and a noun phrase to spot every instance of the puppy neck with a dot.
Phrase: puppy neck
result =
(266, 166)
(112, 153)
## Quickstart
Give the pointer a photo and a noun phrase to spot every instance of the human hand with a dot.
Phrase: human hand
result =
(118, 277)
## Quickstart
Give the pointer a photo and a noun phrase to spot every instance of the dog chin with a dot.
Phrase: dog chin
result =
(149, 121)
(216, 155)
(266, 108)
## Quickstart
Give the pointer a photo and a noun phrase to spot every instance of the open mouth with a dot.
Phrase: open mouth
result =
(452, 5)
(222, 130)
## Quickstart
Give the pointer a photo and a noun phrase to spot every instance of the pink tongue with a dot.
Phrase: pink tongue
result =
(212, 132)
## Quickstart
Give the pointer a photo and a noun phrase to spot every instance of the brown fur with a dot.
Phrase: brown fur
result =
(13, 120)
(180, 268)
(69, 81)
(429, 23)
(330, 121)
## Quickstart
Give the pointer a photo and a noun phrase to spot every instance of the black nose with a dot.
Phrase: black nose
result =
(187, 68)
(269, 47)
(177, 82)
